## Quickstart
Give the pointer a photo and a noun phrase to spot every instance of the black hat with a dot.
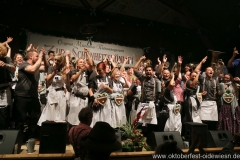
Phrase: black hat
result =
(102, 138)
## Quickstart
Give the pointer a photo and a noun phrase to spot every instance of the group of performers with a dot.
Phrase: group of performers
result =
(159, 98)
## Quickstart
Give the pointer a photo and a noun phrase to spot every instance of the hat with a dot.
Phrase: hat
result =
(102, 138)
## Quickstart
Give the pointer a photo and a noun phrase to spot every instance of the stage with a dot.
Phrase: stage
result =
(69, 155)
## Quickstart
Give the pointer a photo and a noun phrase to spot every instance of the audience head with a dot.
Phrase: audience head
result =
(3, 50)
(85, 116)
(51, 54)
(115, 74)
(187, 68)
(209, 72)
(59, 61)
(107, 68)
(32, 55)
(166, 74)
(80, 64)
(18, 59)
(130, 71)
(148, 71)
(101, 69)
(101, 141)
(193, 75)
(168, 148)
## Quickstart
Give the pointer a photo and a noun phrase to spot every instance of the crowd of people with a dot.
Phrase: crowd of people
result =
(40, 87)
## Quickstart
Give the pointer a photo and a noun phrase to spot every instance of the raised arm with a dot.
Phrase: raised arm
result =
(9, 50)
(198, 68)
(88, 57)
(235, 52)
(112, 62)
(194, 82)
(123, 65)
(46, 64)
(138, 63)
(179, 67)
(162, 65)
(33, 68)
(172, 82)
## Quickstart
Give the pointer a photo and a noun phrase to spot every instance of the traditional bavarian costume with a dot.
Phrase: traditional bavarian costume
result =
(55, 109)
(79, 97)
(229, 104)
(136, 99)
(117, 103)
(208, 108)
(146, 108)
(102, 112)
(192, 103)
(173, 123)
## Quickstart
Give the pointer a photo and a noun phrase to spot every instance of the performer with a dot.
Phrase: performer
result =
(192, 103)
(173, 123)
(55, 109)
(134, 95)
(6, 67)
(79, 93)
(117, 99)
(26, 92)
(208, 109)
(227, 118)
(151, 88)
(99, 90)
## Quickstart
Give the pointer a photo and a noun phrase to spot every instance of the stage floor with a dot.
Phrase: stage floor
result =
(69, 155)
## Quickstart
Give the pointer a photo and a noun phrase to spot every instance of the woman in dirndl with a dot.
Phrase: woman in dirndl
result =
(173, 123)
(117, 99)
(99, 90)
(229, 103)
(55, 109)
(193, 99)
(79, 94)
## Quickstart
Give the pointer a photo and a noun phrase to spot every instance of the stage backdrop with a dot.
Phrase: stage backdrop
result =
(97, 50)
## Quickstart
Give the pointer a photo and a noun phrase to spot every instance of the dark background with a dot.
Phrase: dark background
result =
(208, 24)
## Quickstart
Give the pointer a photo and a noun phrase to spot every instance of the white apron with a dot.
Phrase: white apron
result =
(195, 111)
(148, 113)
(104, 113)
(174, 122)
(133, 112)
(208, 111)
(118, 109)
(55, 109)
(77, 103)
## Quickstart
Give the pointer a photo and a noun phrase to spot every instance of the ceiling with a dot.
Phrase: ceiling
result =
(219, 16)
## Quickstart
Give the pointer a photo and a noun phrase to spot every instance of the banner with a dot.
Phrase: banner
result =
(97, 50)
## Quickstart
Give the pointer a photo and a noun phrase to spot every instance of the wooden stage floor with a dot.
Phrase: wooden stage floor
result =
(69, 155)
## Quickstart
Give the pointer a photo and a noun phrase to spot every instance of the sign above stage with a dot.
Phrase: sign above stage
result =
(97, 50)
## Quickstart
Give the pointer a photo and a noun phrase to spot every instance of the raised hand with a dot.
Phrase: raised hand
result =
(164, 58)
(85, 50)
(112, 58)
(143, 57)
(235, 51)
(180, 59)
(9, 39)
(29, 47)
(204, 59)
(35, 49)
(159, 61)
(126, 59)
(68, 53)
